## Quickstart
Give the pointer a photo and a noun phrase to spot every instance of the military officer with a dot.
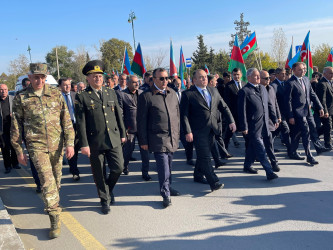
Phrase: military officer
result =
(100, 131)
(41, 112)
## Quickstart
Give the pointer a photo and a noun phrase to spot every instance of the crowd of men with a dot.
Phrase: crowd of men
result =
(104, 118)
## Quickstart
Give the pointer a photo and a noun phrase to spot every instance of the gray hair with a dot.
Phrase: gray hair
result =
(250, 71)
(129, 78)
(326, 69)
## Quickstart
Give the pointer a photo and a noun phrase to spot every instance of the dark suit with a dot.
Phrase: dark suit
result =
(100, 126)
(254, 112)
(117, 88)
(298, 104)
(230, 97)
(201, 120)
(324, 92)
(128, 103)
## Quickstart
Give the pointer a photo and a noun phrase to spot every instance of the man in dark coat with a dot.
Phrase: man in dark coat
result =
(158, 128)
(128, 101)
(101, 131)
(298, 98)
(199, 118)
(254, 112)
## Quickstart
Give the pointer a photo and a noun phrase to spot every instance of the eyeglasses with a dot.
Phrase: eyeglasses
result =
(163, 78)
(265, 78)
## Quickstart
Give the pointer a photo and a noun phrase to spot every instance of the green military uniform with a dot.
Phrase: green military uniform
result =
(47, 128)
(100, 126)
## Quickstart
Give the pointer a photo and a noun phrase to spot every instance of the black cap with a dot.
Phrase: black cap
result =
(95, 66)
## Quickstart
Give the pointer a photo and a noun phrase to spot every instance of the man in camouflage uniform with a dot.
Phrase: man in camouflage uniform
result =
(40, 111)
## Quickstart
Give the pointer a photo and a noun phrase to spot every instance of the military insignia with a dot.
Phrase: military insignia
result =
(89, 92)
(112, 108)
(92, 101)
(105, 90)
(92, 105)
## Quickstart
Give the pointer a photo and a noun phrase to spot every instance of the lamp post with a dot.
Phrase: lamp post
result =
(131, 18)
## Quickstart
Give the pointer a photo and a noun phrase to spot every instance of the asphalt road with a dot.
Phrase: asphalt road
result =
(292, 212)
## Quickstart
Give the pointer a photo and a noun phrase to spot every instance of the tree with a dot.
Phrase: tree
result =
(156, 60)
(319, 55)
(279, 46)
(79, 60)
(241, 31)
(267, 62)
(222, 59)
(19, 66)
(65, 59)
(200, 56)
(113, 53)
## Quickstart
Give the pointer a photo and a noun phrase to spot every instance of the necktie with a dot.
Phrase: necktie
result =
(70, 107)
(303, 85)
(99, 92)
(282, 84)
(206, 96)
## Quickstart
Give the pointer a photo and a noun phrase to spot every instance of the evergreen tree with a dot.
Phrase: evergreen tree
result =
(241, 31)
(200, 56)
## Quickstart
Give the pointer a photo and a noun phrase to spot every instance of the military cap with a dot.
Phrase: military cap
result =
(38, 68)
(95, 66)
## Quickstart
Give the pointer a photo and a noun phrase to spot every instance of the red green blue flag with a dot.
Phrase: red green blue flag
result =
(182, 67)
(138, 65)
(249, 45)
(173, 68)
(207, 70)
(126, 67)
(236, 60)
(329, 62)
(290, 56)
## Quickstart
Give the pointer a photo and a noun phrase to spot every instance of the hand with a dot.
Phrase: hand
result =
(321, 113)
(69, 152)
(85, 151)
(123, 140)
(245, 132)
(326, 115)
(292, 121)
(189, 137)
(276, 125)
(232, 127)
(22, 159)
(279, 120)
(144, 147)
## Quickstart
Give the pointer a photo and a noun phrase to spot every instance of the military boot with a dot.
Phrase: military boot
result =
(55, 225)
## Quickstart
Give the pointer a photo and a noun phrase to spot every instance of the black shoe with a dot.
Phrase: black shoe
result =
(112, 199)
(167, 202)
(105, 209)
(296, 156)
(133, 159)
(272, 176)
(38, 190)
(322, 150)
(276, 168)
(174, 192)
(200, 180)
(146, 177)
(217, 186)
(312, 161)
(190, 162)
(7, 171)
(329, 146)
(250, 170)
(76, 177)
(219, 164)
(126, 172)
(228, 156)
(17, 167)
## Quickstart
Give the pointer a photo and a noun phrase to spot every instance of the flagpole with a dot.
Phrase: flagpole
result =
(57, 62)
(29, 49)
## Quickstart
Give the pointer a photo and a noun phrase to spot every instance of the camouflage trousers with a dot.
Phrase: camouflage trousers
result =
(49, 168)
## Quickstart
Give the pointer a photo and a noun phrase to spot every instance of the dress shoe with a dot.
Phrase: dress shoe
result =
(76, 177)
(228, 156)
(17, 167)
(276, 168)
(105, 209)
(38, 190)
(7, 171)
(126, 172)
(133, 159)
(312, 161)
(250, 170)
(272, 176)
(219, 164)
(112, 199)
(200, 180)
(146, 177)
(174, 192)
(322, 150)
(217, 186)
(329, 146)
(296, 156)
(190, 162)
(167, 202)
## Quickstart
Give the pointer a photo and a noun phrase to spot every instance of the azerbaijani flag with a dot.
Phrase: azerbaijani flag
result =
(113, 71)
(304, 55)
(236, 60)
(182, 67)
(290, 56)
(329, 62)
(173, 69)
(138, 65)
(249, 45)
(126, 67)
(207, 70)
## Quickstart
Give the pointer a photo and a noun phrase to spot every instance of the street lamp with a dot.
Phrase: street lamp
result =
(131, 18)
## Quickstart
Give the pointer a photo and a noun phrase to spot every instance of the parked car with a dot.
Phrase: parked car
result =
(49, 80)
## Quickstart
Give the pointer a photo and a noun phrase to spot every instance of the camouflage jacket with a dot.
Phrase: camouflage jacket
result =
(45, 121)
